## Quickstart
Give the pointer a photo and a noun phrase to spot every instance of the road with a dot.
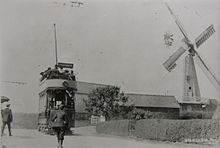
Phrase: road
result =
(85, 137)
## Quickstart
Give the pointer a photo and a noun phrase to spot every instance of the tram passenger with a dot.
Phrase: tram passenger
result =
(66, 74)
(72, 76)
(61, 70)
(42, 76)
(48, 72)
(54, 73)
(45, 74)
(59, 123)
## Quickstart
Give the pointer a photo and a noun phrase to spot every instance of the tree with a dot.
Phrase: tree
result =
(107, 101)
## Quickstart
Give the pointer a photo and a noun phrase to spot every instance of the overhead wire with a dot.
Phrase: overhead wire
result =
(59, 22)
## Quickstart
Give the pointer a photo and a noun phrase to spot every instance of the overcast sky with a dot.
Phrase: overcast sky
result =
(118, 42)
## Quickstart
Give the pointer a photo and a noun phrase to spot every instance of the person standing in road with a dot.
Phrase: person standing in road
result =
(59, 124)
(6, 119)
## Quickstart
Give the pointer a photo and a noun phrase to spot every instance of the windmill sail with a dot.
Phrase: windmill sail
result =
(204, 35)
(177, 21)
(209, 74)
(170, 63)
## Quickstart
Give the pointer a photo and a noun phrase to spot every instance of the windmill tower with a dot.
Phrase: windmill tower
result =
(191, 93)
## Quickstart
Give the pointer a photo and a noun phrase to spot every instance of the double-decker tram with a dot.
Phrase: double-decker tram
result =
(57, 86)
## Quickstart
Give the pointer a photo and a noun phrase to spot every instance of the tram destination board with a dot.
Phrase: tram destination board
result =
(65, 65)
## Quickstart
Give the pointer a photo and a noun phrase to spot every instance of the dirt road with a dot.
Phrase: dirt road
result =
(85, 137)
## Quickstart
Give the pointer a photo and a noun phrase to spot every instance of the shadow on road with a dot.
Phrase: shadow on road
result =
(75, 134)
(24, 137)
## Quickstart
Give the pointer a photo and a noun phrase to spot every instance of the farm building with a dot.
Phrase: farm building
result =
(199, 110)
(161, 106)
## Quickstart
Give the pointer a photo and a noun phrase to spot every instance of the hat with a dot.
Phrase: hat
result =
(61, 106)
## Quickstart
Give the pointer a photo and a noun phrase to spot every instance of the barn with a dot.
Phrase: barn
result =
(199, 110)
(162, 106)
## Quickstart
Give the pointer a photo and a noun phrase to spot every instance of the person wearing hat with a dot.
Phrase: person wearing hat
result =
(59, 123)
(6, 119)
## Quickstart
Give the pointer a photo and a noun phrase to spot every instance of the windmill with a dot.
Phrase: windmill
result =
(191, 93)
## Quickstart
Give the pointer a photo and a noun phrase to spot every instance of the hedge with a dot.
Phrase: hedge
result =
(164, 129)
(177, 130)
(116, 127)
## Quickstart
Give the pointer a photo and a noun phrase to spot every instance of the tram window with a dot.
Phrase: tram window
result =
(60, 96)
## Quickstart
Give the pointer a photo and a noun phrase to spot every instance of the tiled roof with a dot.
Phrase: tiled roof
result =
(144, 100)
(86, 88)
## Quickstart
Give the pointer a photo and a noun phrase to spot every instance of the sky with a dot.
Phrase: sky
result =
(117, 42)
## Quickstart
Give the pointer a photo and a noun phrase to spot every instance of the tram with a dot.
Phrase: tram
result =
(57, 86)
